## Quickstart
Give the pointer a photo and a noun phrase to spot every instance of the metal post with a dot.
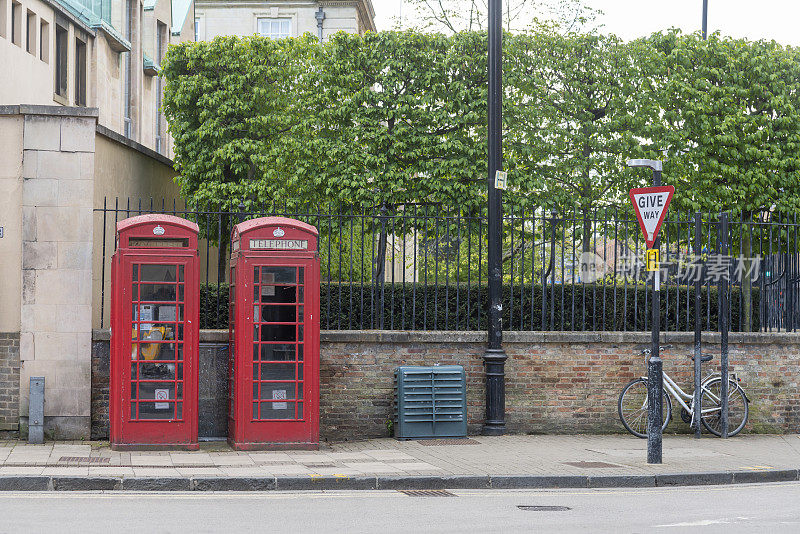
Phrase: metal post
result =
(36, 410)
(655, 380)
(723, 326)
(698, 228)
(102, 266)
(494, 358)
(320, 16)
(705, 19)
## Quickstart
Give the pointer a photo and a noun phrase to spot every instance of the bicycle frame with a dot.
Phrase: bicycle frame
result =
(678, 394)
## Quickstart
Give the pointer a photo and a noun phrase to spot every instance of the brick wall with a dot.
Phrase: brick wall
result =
(9, 381)
(555, 382)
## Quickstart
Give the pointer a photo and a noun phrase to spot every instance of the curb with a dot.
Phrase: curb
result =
(107, 483)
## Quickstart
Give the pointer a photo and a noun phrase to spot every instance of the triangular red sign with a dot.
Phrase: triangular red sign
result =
(651, 204)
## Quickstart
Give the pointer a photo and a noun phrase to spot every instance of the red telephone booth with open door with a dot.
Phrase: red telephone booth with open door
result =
(274, 335)
(154, 333)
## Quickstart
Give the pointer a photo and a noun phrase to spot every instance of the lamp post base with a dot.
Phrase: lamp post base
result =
(655, 400)
(494, 362)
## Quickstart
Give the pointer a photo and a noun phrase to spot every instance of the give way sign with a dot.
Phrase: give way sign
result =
(650, 204)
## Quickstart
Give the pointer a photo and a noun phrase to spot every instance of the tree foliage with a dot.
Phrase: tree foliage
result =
(233, 110)
(731, 119)
(388, 120)
(574, 115)
(398, 120)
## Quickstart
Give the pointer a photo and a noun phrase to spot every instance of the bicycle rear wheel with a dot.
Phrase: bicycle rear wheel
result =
(738, 411)
(632, 408)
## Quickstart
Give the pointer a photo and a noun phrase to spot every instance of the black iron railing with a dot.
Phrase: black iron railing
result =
(423, 267)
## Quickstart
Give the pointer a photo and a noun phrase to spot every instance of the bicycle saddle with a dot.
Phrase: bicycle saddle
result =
(703, 357)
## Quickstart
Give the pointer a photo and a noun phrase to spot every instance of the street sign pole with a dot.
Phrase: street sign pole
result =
(655, 380)
(651, 204)
(724, 304)
(698, 410)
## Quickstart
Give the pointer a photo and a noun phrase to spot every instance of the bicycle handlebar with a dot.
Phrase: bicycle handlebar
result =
(703, 357)
(661, 347)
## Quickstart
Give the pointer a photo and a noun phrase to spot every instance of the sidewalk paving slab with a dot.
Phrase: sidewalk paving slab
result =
(512, 462)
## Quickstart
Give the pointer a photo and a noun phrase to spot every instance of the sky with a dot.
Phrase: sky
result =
(629, 19)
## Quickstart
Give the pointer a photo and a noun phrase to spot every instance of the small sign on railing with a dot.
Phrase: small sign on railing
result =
(501, 180)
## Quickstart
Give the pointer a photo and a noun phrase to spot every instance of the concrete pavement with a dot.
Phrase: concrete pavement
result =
(516, 461)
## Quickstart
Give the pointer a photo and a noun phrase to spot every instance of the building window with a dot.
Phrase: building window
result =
(44, 41)
(199, 28)
(61, 61)
(161, 42)
(30, 37)
(80, 73)
(16, 23)
(126, 82)
(161, 52)
(275, 28)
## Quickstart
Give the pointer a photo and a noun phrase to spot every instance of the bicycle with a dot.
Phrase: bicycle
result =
(632, 404)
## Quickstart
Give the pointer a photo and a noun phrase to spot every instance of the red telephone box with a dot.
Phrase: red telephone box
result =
(154, 333)
(274, 335)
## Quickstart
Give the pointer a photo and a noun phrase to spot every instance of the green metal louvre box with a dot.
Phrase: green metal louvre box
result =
(430, 402)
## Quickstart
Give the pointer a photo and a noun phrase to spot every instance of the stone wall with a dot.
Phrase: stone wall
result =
(55, 162)
(101, 371)
(56, 317)
(555, 382)
(9, 381)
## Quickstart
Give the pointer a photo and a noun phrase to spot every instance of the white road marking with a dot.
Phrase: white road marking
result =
(705, 522)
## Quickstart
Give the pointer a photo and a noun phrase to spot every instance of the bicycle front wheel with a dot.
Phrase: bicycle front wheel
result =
(711, 405)
(632, 407)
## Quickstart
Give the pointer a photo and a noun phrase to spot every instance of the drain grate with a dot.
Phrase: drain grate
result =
(590, 465)
(452, 441)
(544, 508)
(428, 493)
(85, 459)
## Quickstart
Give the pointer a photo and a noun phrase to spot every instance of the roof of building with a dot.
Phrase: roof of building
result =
(180, 10)
(94, 16)
(261, 222)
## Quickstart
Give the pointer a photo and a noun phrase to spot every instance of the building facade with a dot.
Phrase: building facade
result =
(103, 55)
(80, 120)
(282, 18)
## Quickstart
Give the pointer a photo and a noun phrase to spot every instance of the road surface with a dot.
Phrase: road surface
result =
(741, 508)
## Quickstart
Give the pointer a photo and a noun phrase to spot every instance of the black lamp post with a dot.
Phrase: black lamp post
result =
(494, 359)
(705, 19)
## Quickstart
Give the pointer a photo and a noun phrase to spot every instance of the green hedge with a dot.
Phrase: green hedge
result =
(418, 307)
(214, 306)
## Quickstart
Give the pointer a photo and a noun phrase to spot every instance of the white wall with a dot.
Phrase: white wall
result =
(220, 18)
